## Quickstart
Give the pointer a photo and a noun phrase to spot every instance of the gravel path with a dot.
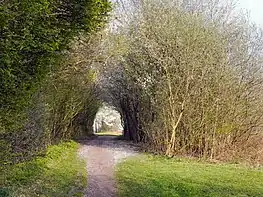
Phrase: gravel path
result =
(101, 155)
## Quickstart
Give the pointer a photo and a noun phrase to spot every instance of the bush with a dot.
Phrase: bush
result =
(41, 93)
(191, 78)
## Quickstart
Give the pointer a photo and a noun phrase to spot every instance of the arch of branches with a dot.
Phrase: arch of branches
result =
(186, 78)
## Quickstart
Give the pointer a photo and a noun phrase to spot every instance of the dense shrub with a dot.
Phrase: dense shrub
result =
(33, 35)
(44, 89)
(191, 78)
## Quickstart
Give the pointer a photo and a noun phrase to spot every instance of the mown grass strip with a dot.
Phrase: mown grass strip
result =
(109, 133)
(60, 173)
(152, 176)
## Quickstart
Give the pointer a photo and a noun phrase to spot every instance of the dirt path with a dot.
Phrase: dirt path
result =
(101, 155)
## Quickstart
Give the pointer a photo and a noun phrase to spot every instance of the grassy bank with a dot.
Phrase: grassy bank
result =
(60, 173)
(150, 176)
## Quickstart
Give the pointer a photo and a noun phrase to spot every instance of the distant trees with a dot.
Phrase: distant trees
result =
(189, 79)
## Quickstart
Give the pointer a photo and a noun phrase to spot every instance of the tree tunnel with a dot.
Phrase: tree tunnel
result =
(107, 120)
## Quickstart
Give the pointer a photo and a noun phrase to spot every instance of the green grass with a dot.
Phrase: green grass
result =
(150, 176)
(107, 133)
(59, 174)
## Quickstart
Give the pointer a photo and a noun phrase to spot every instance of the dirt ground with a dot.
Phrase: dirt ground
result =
(101, 155)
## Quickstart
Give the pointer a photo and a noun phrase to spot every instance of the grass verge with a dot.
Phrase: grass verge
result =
(150, 176)
(109, 133)
(60, 173)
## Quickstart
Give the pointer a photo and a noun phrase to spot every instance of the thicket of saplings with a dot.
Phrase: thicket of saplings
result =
(64, 107)
(48, 91)
(187, 79)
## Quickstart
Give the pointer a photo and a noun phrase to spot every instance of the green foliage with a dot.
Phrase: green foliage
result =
(59, 173)
(64, 107)
(157, 176)
(39, 101)
(33, 35)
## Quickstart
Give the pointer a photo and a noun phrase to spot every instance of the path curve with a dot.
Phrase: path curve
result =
(101, 155)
